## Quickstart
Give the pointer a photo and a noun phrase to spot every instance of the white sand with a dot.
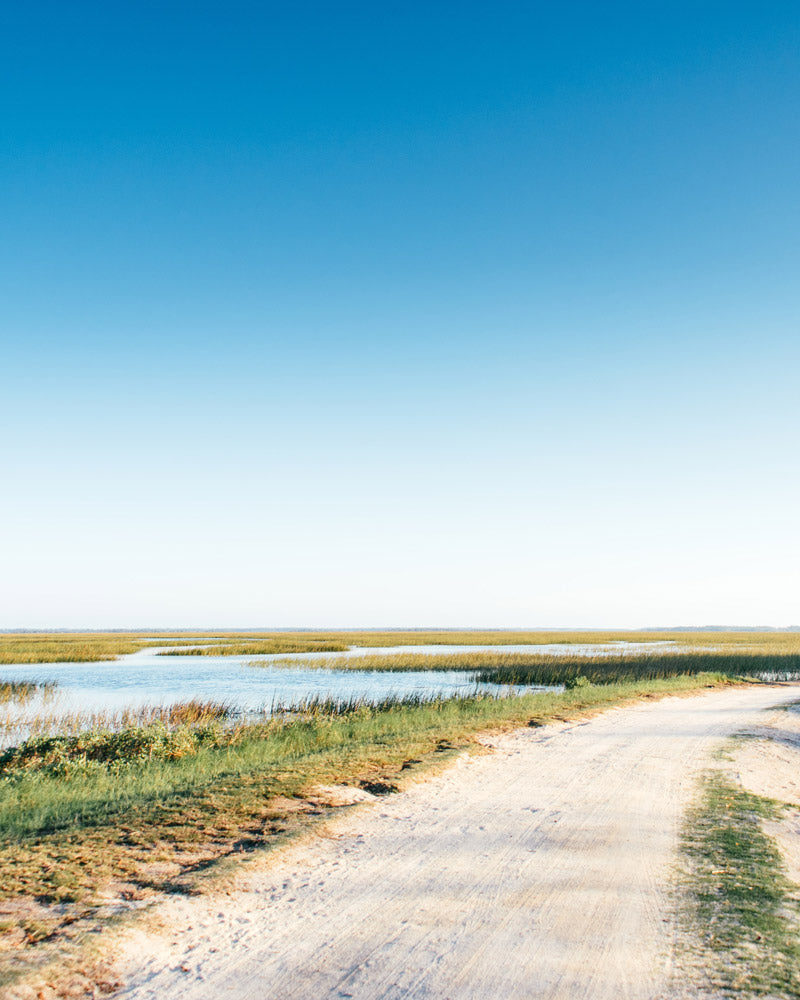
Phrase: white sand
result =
(768, 764)
(543, 869)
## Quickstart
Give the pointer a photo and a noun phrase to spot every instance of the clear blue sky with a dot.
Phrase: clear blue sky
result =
(387, 314)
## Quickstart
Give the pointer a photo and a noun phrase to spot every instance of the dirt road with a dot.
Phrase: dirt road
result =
(543, 869)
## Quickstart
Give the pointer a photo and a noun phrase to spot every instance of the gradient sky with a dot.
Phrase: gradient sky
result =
(320, 314)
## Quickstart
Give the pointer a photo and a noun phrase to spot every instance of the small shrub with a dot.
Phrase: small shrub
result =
(94, 750)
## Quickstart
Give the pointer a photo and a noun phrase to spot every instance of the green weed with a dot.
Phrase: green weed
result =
(744, 912)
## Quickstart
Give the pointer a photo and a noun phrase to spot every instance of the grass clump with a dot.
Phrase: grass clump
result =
(26, 724)
(745, 913)
(61, 756)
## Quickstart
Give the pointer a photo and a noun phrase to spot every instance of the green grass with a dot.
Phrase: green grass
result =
(744, 913)
(43, 721)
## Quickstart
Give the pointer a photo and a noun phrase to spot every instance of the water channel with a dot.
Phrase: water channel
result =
(250, 683)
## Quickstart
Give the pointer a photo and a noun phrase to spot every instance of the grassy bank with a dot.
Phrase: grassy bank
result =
(123, 815)
(744, 913)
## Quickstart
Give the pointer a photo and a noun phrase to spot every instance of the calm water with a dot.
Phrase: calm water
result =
(146, 678)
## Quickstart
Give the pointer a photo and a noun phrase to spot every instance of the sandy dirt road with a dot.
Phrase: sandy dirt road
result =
(543, 869)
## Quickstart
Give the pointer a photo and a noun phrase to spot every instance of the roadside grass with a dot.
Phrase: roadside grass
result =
(89, 829)
(744, 913)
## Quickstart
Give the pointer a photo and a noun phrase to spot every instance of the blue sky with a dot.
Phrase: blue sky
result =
(362, 314)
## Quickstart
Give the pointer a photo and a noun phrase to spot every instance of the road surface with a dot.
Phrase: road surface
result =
(542, 869)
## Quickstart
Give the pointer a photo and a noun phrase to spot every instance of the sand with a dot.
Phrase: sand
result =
(544, 869)
(767, 762)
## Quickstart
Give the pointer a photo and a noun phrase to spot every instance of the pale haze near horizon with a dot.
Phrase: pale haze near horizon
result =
(364, 320)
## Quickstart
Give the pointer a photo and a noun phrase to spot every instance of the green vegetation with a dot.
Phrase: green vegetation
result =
(745, 913)
(41, 723)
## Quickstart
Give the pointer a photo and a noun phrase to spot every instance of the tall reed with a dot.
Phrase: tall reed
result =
(22, 691)
(39, 723)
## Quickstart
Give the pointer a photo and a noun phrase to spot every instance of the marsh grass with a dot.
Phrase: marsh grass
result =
(54, 647)
(40, 723)
(89, 647)
(413, 662)
(549, 670)
(72, 647)
(744, 912)
(644, 666)
(767, 640)
(259, 647)
(24, 691)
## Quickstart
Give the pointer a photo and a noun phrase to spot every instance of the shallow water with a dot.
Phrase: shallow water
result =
(148, 678)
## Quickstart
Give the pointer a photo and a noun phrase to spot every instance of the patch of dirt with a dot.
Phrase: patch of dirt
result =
(337, 796)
